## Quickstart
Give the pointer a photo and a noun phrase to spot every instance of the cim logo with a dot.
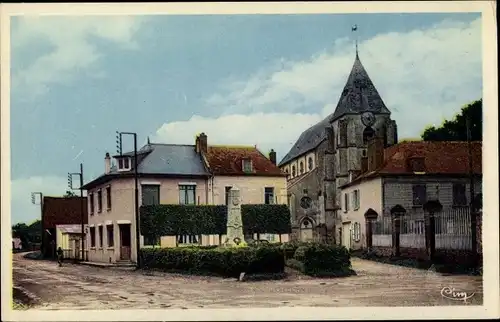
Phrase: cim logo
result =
(452, 294)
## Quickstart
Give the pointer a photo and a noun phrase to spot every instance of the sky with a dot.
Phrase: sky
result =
(242, 79)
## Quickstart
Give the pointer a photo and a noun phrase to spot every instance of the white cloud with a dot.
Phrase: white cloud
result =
(21, 207)
(276, 131)
(73, 50)
(423, 76)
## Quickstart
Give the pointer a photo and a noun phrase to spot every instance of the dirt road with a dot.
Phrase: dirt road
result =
(83, 287)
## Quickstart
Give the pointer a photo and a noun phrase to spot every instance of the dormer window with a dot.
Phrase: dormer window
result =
(416, 164)
(247, 165)
(124, 164)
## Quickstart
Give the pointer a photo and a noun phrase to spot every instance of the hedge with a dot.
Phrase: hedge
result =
(321, 260)
(227, 262)
(168, 220)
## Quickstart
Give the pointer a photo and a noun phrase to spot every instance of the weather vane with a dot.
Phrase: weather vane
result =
(353, 29)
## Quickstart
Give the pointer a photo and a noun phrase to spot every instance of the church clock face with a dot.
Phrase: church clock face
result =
(367, 118)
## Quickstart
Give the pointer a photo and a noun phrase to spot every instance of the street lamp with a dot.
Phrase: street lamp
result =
(136, 192)
(33, 201)
(82, 206)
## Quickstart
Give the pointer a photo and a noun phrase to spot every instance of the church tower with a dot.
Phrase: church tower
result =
(360, 116)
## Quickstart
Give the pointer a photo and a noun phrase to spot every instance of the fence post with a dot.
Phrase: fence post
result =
(396, 212)
(430, 209)
(370, 216)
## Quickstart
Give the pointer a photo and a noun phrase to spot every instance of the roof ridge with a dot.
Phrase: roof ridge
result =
(233, 146)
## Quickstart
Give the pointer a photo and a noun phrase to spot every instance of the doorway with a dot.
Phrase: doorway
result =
(125, 241)
(306, 230)
(346, 235)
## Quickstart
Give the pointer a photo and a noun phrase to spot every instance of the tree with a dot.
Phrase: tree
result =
(456, 130)
(28, 234)
(69, 193)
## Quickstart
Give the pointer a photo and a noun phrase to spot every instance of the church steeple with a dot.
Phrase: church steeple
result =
(359, 94)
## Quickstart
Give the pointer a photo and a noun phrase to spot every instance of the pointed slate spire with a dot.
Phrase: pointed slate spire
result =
(359, 94)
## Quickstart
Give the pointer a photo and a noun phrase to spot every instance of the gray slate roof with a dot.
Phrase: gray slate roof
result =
(173, 159)
(359, 95)
(308, 140)
(160, 159)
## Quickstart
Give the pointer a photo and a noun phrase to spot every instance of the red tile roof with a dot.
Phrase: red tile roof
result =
(227, 160)
(441, 157)
(63, 211)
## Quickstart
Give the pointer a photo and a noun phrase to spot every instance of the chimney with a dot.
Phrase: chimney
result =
(203, 143)
(272, 156)
(197, 144)
(375, 153)
(364, 164)
(107, 163)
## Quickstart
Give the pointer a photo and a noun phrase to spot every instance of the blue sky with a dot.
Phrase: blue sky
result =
(242, 79)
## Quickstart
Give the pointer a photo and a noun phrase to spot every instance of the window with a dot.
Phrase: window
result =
(269, 195)
(355, 199)
(92, 236)
(301, 167)
(111, 240)
(227, 194)
(419, 195)
(247, 165)
(368, 134)
(187, 239)
(356, 232)
(187, 194)
(346, 202)
(124, 164)
(459, 196)
(108, 198)
(100, 237)
(99, 200)
(293, 171)
(417, 164)
(151, 241)
(150, 194)
(91, 203)
(310, 163)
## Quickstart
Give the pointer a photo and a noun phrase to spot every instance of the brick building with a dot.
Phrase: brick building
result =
(60, 211)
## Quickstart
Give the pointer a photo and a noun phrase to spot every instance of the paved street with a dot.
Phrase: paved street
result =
(84, 287)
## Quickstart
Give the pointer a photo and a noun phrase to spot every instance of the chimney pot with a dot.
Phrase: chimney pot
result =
(107, 163)
(203, 143)
(272, 156)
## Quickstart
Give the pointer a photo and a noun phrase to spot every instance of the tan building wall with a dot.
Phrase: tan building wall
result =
(370, 196)
(252, 188)
(122, 212)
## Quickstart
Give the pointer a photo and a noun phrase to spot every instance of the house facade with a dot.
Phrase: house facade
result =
(324, 155)
(168, 174)
(173, 174)
(408, 175)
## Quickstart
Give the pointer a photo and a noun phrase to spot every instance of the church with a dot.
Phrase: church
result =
(330, 152)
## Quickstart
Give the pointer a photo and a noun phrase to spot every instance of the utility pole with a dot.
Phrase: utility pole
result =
(82, 204)
(472, 211)
(136, 191)
(42, 221)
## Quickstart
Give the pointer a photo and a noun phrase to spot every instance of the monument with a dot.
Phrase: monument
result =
(234, 235)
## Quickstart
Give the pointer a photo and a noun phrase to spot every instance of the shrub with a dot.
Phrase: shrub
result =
(322, 260)
(228, 262)
(166, 220)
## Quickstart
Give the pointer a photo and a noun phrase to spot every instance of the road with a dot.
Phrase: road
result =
(84, 287)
